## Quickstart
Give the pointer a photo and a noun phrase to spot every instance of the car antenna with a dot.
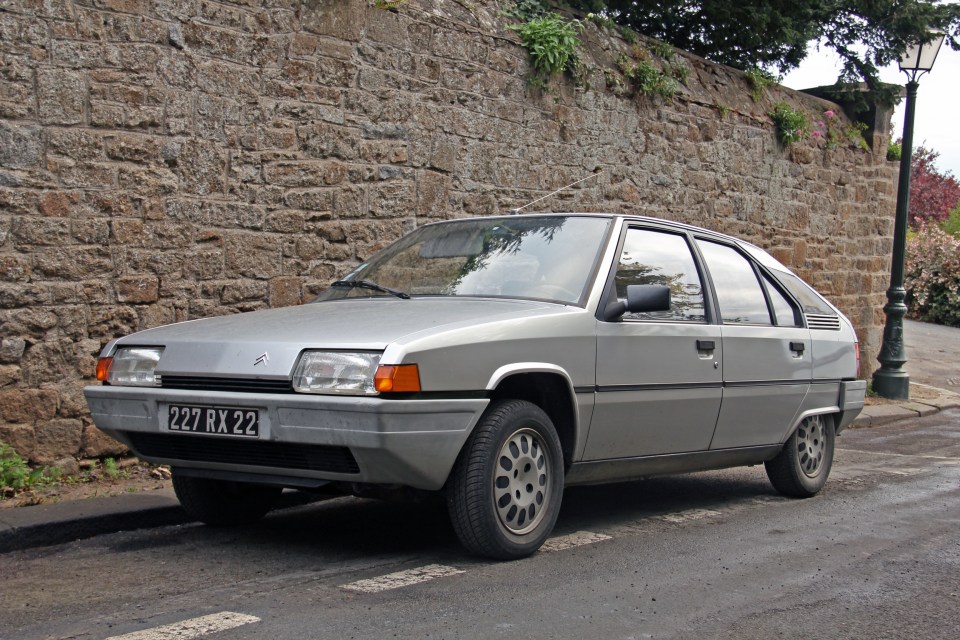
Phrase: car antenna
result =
(516, 212)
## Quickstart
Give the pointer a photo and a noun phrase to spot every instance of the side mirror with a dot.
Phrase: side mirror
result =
(641, 298)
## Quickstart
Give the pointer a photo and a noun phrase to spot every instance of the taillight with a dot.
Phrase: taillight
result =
(856, 348)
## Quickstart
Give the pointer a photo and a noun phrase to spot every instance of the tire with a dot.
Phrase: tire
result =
(801, 468)
(506, 486)
(221, 503)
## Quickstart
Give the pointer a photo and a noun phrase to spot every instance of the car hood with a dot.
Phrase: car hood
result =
(266, 344)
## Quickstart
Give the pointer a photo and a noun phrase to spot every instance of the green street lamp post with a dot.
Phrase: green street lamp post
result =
(890, 380)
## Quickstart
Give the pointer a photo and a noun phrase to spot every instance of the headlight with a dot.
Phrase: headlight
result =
(348, 373)
(131, 367)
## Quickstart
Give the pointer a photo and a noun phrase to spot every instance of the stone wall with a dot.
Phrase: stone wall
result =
(172, 159)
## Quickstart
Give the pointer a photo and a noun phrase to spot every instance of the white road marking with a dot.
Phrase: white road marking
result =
(898, 455)
(402, 578)
(690, 515)
(580, 538)
(193, 628)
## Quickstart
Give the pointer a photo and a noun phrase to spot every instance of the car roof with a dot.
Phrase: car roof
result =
(680, 226)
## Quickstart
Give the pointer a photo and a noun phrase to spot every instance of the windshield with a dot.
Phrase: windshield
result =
(542, 257)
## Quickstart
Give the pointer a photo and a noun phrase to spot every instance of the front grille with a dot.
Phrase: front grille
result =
(239, 385)
(281, 455)
(823, 321)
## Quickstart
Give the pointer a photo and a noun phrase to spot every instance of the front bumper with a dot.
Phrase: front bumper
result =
(408, 442)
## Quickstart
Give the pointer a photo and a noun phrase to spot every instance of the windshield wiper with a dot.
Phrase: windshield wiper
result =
(373, 286)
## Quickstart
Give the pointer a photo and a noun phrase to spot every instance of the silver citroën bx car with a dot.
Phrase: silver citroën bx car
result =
(497, 360)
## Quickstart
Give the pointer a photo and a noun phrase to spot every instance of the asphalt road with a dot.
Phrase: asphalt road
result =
(932, 351)
(712, 555)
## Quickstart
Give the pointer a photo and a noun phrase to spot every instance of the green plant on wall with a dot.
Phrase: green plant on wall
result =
(895, 150)
(524, 9)
(647, 79)
(759, 81)
(835, 133)
(552, 42)
(662, 50)
(792, 125)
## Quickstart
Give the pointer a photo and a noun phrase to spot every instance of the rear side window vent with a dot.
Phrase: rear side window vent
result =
(823, 322)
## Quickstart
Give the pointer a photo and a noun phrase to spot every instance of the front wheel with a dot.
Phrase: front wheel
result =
(222, 503)
(506, 486)
(801, 468)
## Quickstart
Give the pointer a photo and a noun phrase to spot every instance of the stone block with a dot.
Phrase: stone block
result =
(308, 173)
(244, 291)
(28, 405)
(252, 256)
(14, 268)
(96, 444)
(200, 167)
(9, 375)
(57, 439)
(285, 292)
(132, 147)
(11, 349)
(285, 222)
(310, 199)
(136, 289)
(74, 263)
(21, 147)
(344, 19)
(433, 194)
(61, 94)
(21, 437)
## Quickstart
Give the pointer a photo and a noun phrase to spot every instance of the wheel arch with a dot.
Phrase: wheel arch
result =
(831, 412)
(550, 388)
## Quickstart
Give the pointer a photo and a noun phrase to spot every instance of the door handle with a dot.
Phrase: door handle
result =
(798, 347)
(706, 345)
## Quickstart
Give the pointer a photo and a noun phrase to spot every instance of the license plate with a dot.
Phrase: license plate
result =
(215, 421)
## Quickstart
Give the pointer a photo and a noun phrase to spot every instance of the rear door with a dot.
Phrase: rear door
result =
(767, 364)
(659, 380)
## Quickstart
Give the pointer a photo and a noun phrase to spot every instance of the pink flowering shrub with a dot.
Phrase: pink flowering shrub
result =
(932, 276)
(836, 134)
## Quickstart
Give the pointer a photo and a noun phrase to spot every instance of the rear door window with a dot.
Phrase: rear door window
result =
(739, 292)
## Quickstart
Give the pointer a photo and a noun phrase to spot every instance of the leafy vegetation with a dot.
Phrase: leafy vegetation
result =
(647, 79)
(952, 224)
(835, 133)
(866, 34)
(524, 9)
(792, 125)
(932, 276)
(933, 193)
(15, 473)
(552, 42)
(895, 150)
(759, 81)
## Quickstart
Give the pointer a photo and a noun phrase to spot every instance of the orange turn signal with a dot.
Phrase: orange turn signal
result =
(398, 378)
(103, 368)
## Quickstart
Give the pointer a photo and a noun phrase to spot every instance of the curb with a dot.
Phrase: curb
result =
(880, 414)
(46, 525)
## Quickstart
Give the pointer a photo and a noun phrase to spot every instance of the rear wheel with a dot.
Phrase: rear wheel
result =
(506, 486)
(801, 468)
(224, 503)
